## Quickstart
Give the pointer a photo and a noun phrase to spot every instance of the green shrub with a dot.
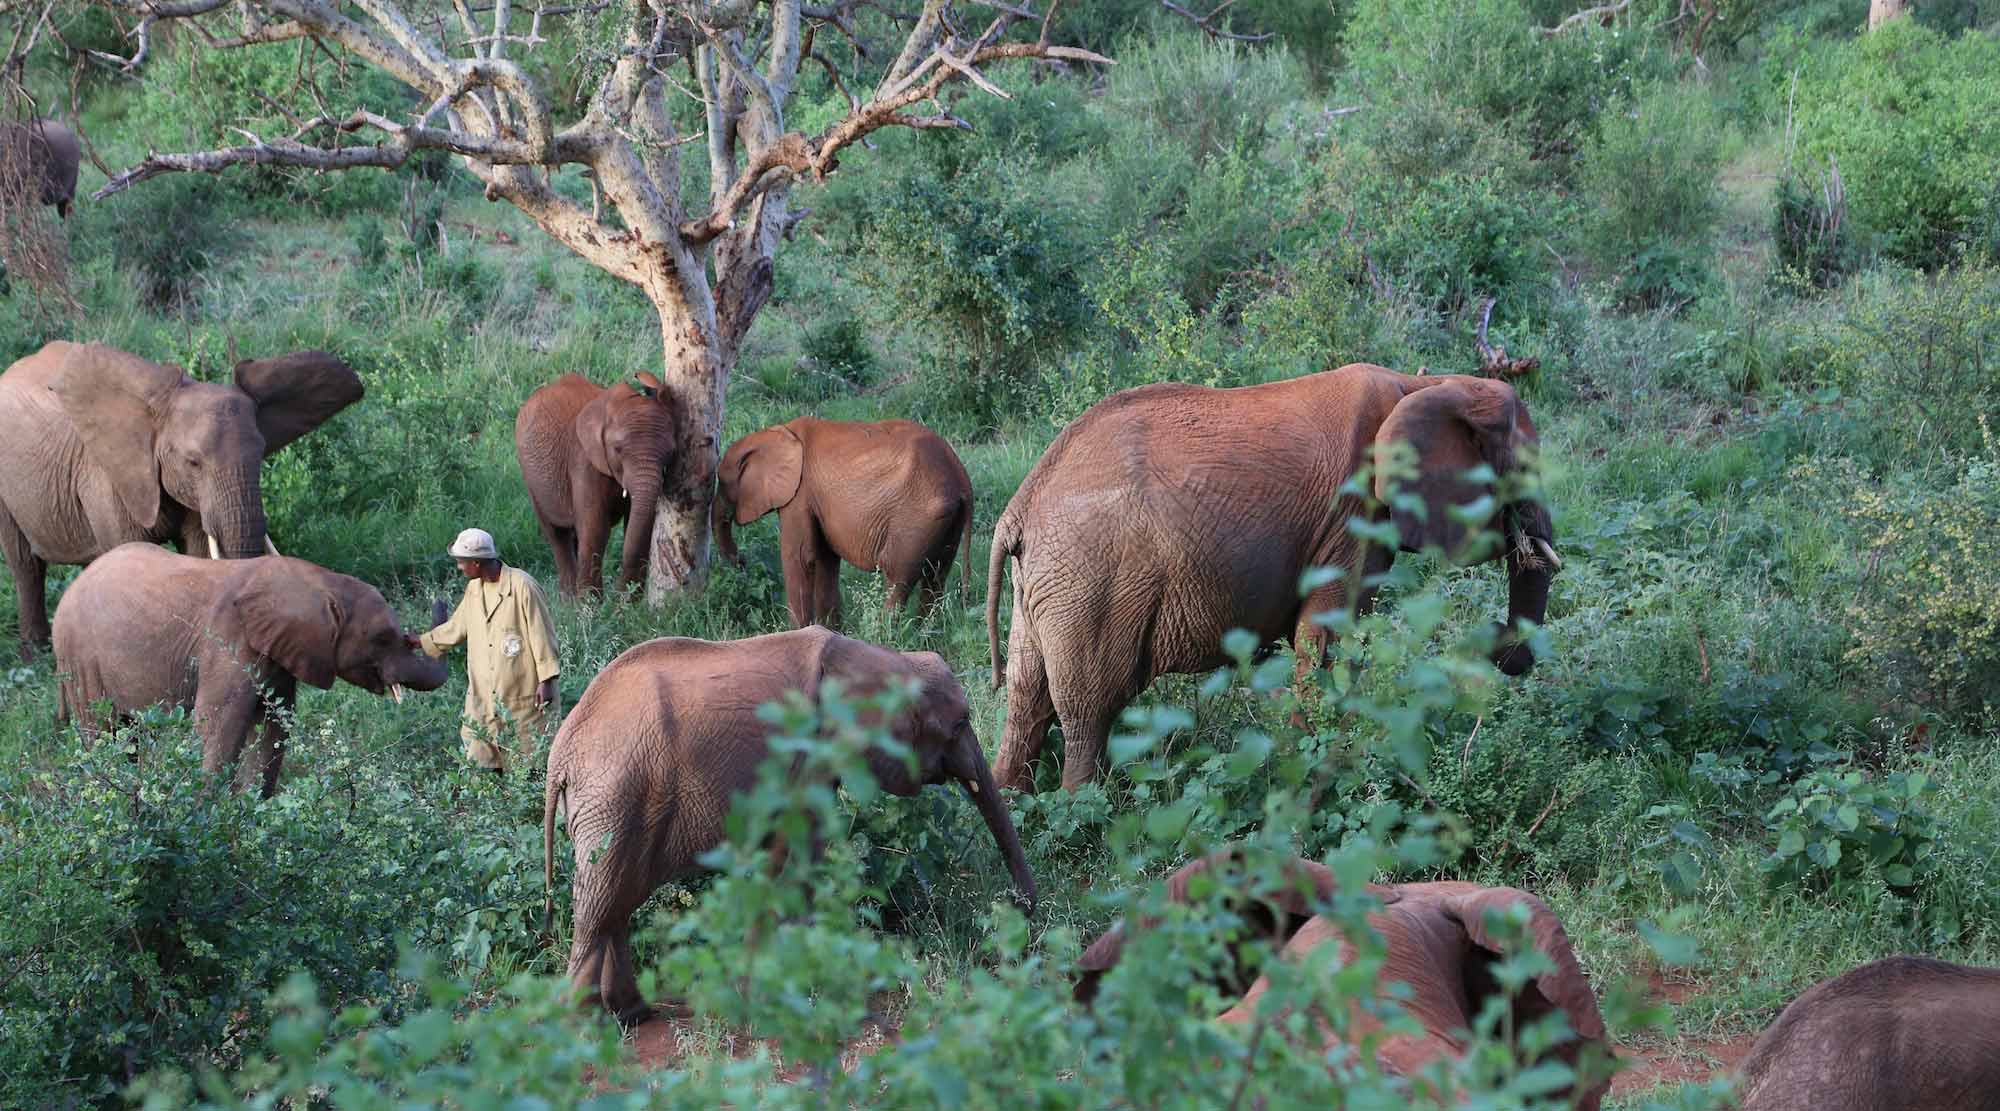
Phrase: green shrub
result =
(1838, 824)
(1456, 239)
(1649, 179)
(839, 346)
(1815, 247)
(1920, 349)
(1212, 98)
(1926, 619)
(170, 232)
(1912, 119)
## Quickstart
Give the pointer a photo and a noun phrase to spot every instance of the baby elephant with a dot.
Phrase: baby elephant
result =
(1899, 1034)
(229, 640)
(1438, 944)
(668, 732)
(886, 495)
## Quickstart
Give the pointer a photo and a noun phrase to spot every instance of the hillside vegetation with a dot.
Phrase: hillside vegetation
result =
(1762, 282)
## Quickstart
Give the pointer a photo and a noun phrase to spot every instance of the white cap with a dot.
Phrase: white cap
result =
(474, 543)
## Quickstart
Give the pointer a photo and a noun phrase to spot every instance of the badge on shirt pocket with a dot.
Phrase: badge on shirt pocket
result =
(511, 647)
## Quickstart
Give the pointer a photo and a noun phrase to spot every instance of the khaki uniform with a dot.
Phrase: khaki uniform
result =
(510, 648)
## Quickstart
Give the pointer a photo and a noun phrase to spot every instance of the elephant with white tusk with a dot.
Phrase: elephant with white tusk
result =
(99, 448)
(228, 640)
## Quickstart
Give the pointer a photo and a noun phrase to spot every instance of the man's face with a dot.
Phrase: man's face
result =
(470, 568)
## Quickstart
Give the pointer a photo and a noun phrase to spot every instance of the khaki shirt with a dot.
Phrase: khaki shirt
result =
(510, 649)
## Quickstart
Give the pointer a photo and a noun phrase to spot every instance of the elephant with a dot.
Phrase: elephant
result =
(883, 495)
(1439, 943)
(98, 448)
(46, 154)
(229, 640)
(1897, 1034)
(668, 732)
(593, 456)
(1169, 514)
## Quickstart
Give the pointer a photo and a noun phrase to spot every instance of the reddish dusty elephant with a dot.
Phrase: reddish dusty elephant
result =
(668, 732)
(883, 495)
(1167, 515)
(593, 456)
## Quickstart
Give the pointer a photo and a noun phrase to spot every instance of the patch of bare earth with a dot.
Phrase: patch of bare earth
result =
(1684, 1060)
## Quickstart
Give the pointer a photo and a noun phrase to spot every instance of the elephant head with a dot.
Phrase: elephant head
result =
(627, 434)
(320, 625)
(42, 155)
(1272, 911)
(154, 433)
(937, 729)
(759, 473)
(1455, 426)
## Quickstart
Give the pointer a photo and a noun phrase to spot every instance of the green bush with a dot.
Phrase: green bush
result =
(1456, 239)
(1912, 120)
(171, 231)
(1212, 98)
(1815, 246)
(1648, 177)
(1838, 824)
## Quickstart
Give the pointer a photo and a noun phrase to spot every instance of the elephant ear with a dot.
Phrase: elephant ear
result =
(1455, 426)
(767, 471)
(289, 615)
(117, 402)
(592, 422)
(1564, 988)
(296, 393)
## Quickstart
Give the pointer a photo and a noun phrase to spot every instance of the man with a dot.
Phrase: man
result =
(510, 653)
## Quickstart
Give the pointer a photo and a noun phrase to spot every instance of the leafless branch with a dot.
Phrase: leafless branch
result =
(1493, 361)
(1207, 25)
(1603, 13)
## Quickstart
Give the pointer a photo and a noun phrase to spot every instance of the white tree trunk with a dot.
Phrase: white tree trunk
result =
(693, 368)
(1882, 11)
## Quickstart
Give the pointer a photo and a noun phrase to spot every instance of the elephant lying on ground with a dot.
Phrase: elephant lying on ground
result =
(883, 495)
(1167, 515)
(45, 155)
(228, 640)
(593, 456)
(668, 733)
(1438, 943)
(99, 448)
(1899, 1034)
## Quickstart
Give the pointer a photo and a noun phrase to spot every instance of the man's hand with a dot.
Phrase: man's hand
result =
(413, 642)
(545, 694)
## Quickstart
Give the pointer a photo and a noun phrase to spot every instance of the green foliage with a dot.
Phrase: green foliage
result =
(1486, 56)
(170, 233)
(1912, 120)
(1926, 620)
(1211, 98)
(1815, 248)
(1837, 824)
(1649, 179)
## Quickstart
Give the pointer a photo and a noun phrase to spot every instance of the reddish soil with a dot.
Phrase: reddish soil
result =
(657, 1043)
(1684, 1060)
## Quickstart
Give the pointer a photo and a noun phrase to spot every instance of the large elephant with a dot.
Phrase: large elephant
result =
(1167, 515)
(1438, 942)
(228, 640)
(99, 448)
(883, 495)
(45, 155)
(593, 456)
(1899, 1034)
(668, 732)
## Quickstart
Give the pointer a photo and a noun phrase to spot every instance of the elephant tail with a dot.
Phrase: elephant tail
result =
(550, 797)
(965, 554)
(1006, 543)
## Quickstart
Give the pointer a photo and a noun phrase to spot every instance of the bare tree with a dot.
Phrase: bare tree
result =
(705, 267)
(1882, 11)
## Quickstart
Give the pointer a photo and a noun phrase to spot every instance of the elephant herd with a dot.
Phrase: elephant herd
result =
(1155, 523)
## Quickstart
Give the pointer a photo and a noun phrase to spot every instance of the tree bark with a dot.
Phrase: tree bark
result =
(1882, 11)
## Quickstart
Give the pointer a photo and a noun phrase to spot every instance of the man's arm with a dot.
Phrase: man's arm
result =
(541, 635)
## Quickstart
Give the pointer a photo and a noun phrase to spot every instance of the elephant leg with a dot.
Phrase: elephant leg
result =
(1030, 711)
(826, 585)
(267, 762)
(593, 532)
(562, 541)
(1086, 724)
(224, 716)
(1311, 639)
(30, 585)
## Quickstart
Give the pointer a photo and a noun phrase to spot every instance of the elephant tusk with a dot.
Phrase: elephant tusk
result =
(270, 547)
(972, 787)
(214, 549)
(396, 692)
(1548, 553)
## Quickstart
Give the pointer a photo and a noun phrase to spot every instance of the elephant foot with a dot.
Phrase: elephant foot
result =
(637, 1015)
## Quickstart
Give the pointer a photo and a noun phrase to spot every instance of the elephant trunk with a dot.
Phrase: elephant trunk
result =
(722, 514)
(643, 486)
(1531, 564)
(234, 520)
(978, 780)
(414, 670)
